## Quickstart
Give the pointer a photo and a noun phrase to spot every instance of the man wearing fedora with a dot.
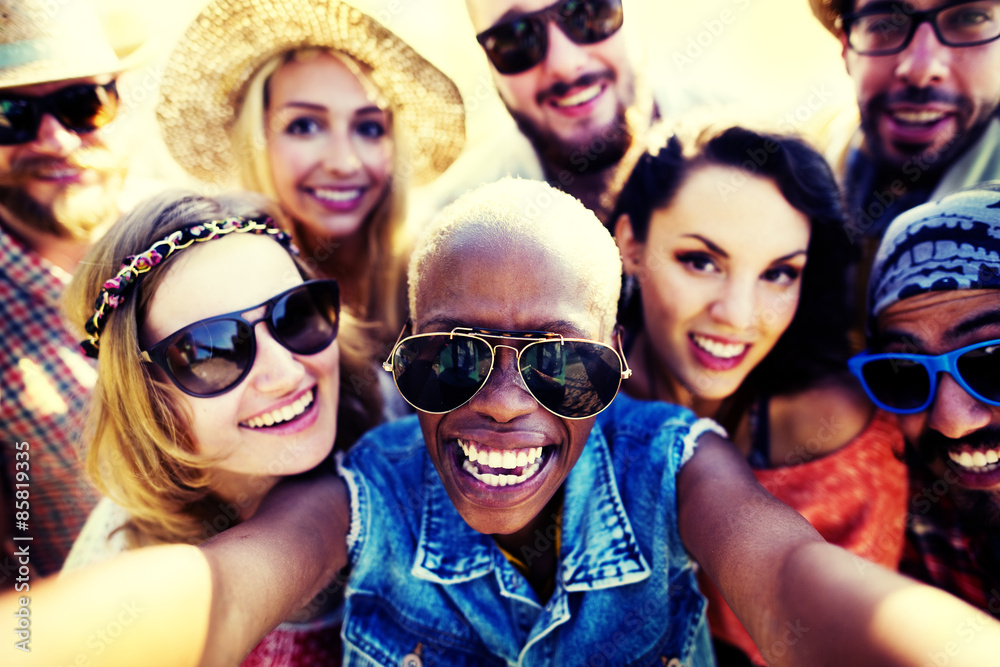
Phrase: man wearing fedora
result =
(59, 187)
(934, 360)
(566, 73)
(927, 79)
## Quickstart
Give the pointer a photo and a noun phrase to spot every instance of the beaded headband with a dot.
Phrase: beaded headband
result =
(117, 289)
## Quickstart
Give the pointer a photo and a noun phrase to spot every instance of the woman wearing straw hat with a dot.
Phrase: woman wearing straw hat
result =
(318, 106)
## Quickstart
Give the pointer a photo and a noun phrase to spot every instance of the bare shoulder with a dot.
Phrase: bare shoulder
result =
(818, 420)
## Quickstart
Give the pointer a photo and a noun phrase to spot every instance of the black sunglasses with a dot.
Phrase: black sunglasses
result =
(886, 29)
(211, 356)
(519, 44)
(906, 383)
(81, 108)
(570, 377)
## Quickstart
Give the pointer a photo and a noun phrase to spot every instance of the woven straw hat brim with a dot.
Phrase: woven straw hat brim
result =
(828, 11)
(206, 75)
(43, 41)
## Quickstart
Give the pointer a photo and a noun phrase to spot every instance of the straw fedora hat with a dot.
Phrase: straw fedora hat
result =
(43, 41)
(828, 12)
(205, 78)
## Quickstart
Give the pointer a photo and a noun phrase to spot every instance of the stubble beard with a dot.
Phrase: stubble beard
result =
(929, 163)
(78, 212)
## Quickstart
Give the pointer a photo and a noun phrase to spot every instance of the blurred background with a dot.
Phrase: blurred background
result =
(772, 57)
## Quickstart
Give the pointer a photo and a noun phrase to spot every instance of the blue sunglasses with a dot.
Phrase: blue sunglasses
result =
(906, 383)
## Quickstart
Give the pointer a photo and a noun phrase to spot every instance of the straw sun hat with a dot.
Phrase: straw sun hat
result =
(206, 75)
(43, 41)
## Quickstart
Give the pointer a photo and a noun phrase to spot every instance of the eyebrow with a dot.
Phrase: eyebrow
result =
(711, 246)
(719, 251)
(880, 5)
(785, 258)
(303, 105)
(974, 323)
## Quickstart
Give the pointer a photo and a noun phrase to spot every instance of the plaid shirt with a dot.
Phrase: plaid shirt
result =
(942, 552)
(45, 382)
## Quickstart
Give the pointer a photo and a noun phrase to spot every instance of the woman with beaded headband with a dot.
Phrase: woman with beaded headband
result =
(329, 114)
(733, 247)
(221, 369)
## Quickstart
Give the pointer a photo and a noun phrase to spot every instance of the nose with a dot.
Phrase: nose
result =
(340, 155)
(735, 304)
(53, 139)
(925, 60)
(276, 371)
(504, 397)
(954, 412)
(565, 60)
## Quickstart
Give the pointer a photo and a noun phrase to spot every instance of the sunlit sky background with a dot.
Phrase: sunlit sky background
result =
(768, 55)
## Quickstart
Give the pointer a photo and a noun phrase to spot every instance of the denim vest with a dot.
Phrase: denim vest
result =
(426, 589)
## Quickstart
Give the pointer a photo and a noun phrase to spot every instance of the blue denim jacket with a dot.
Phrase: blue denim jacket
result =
(426, 589)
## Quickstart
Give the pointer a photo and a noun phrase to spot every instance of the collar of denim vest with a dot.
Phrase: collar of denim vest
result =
(599, 547)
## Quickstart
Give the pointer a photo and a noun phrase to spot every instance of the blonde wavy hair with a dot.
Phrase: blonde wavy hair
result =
(140, 449)
(383, 298)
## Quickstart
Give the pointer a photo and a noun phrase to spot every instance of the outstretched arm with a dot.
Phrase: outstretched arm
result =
(180, 605)
(806, 602)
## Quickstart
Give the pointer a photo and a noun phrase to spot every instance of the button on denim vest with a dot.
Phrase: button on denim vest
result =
(426, 589)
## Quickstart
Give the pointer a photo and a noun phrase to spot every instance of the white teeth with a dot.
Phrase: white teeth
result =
(337, 195)
(508, 459)
(720, 350)
(581, 97)
(55, 173)
(918, 117)
(283, 414)
(500, 480)
(976, 461)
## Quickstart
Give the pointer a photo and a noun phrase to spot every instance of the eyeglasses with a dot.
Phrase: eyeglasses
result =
(211, 356)
(570, 377)
(887, 29)
(906, 383)
(82, 108)
(517, 45)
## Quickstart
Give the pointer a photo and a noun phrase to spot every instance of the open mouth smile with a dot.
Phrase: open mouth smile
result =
(284, 414)
(976, 461)
(501, 467)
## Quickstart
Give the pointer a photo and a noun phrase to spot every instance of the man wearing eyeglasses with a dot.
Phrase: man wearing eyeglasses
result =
(566, 75)
(59, 186)
(927, 78)
(934, 301)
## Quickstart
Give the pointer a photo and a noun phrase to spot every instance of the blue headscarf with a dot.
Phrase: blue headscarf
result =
(949, 244)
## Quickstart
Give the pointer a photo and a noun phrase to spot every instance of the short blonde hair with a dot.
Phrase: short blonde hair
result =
(529, 213)
(387, 237)
(140, 447)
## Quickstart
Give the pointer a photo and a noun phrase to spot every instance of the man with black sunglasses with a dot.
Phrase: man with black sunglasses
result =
(935, 361)
(59, 187)
(927, 79)
(565, 71)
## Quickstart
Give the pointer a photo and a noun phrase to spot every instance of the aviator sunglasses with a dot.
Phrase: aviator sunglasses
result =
(570, 377)
(519, 44)
(211, 356)
(906, 383)
(81, 108)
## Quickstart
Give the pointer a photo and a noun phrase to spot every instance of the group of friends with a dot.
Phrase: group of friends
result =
(702, 397)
